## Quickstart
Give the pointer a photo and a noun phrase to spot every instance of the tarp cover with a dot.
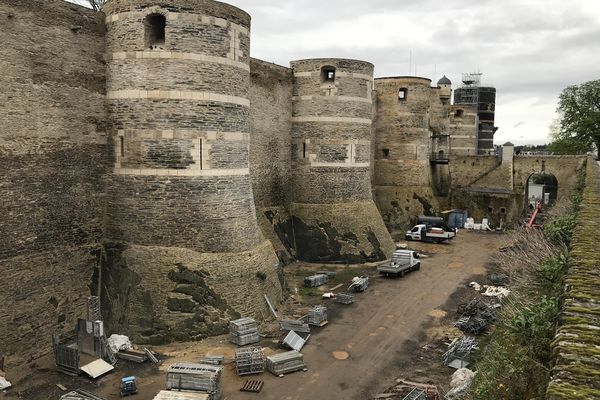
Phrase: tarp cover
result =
(119, 342)
(97, 368)
(4, 384)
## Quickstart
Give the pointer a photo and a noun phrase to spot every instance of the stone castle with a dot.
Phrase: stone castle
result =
(146, 158)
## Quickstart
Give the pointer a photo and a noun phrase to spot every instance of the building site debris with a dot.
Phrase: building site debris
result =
(213, 360)
(359, 284)
(80, 394)
(253, 386)
(498, 279)
(97, 368)
(335, 287)
(330, 274)
(460, 383)
(150, 355)
(316, 280)
(117, 343)
(328, 295)
(295, 341)
(61, 387)
(496, 291)
(270, 306)
(317, 316)
(4, 384)
(459, 352)
(243, 331)
(168, 395)
(478, 307)
(285, 363)
(344, 298)
(249, 360)
(201, 378)
(416, 394)
(472, 325)
(132, 355)
(294, 325)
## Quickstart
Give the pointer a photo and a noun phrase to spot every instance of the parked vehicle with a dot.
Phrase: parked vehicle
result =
(426, 233)
(435, 222)
(402, 261)
(128, 386)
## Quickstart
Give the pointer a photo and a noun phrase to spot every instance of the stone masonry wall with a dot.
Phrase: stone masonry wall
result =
(403, 128)
(270, 152)
(575, 346)
(331, 163)
(52, 160)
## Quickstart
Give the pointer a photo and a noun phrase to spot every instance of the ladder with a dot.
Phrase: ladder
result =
(94, 313)
(416, 394)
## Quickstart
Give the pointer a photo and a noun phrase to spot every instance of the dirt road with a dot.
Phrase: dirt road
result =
(358, 354)
(373, 329)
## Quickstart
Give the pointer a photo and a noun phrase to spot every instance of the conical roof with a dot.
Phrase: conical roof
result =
(444, 81)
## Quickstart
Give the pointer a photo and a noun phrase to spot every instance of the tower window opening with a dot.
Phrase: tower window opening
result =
(386, 153)
(402, 93)
(328, 74)
(155, 30)
(459, 113)
(304, 150)
(122, 146)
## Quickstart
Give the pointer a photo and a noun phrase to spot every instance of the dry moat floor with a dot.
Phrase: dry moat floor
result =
(397, 328)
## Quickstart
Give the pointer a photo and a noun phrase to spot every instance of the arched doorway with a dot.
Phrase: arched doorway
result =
(541, 187)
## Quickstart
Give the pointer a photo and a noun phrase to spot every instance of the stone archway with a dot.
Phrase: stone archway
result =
(542, 187)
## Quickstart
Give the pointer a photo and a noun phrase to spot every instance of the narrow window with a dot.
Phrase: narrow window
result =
(402, 92)
(386, 153)
(459, 113)
(304, 150)
(122, 146)
(200, 150)
(155, 30)
(502, 210)
(328, 74)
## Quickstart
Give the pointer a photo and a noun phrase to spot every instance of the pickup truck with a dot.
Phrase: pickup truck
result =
(426, 233)
(402, 261)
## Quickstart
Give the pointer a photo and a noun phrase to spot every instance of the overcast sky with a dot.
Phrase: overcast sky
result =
(529, 49)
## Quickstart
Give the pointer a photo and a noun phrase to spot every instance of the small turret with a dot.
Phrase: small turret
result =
(445, 86)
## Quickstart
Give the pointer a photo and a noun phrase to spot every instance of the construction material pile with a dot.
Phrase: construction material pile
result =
(316, 280)
(285, 363)
(243, 331)
(359, 284)
(344, 298)
(317, 315)
(201, 378)
(294, 325)
(459, 352)
(476, 316)
(249, 360)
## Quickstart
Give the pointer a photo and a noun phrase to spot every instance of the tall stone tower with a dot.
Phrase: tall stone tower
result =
(335, 218)
(404, 125)
(181, 202)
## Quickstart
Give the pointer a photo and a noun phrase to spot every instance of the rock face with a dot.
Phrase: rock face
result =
(181, 206)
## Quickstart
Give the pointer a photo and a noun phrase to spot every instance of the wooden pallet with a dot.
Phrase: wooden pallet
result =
(252, 386)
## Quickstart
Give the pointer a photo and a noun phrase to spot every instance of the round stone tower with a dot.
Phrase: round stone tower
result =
(182, 203)
(335, 218)
(406, 119)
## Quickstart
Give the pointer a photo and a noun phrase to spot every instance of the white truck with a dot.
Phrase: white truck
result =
(426, 233)
(402, 261)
